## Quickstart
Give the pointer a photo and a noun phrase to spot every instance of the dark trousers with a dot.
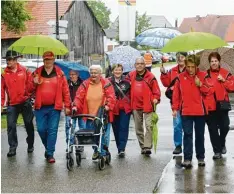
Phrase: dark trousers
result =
(120, 127)
(199, 125)
(12, 116)
(218, 125)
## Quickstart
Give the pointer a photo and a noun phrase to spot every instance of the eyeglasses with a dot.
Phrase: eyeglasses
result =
(73, 74)
(140, 63)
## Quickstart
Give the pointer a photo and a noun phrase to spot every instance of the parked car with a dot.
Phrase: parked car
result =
(172, 57)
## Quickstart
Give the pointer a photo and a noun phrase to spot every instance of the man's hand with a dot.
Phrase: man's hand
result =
(36, 80)
(155, 101)
(162, 69)
(67, 111)
(198, 82)
(220, 78)
(107, 108)
(174, 113)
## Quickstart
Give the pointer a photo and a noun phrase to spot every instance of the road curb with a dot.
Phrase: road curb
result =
(162, 177)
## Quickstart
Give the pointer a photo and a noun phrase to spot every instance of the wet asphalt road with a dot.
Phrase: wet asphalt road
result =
(134, 173)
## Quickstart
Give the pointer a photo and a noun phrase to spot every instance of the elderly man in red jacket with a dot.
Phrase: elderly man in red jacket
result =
(52, 95)
(17, 84)
(145, 93)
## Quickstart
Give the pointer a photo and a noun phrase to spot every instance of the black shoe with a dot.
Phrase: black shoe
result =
(187, 164)
(147, 151)
(12, 152)
(201, 162)
(121, 154)
(178, 150)
(224, 150)
(30, 149)
(217, 156)
(142, 151)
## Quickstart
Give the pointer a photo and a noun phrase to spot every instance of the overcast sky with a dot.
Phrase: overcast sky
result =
(173, 9)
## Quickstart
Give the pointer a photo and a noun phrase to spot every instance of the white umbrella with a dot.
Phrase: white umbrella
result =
(124, 55)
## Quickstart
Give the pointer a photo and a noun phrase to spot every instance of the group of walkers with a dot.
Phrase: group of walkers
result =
(196, 97)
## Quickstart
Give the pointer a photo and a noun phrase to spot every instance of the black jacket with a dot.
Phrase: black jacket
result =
(73, 87)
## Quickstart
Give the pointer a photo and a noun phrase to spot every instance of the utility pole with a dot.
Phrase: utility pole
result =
(57, 21)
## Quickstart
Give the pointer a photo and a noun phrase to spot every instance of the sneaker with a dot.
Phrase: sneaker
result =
(143, 151)
(121, 154)
(187, 164)
(12, 152)
(217, 156)
(147, 151)
(201, 162)
(178, 150)
(95, 156)
(224, 150)
(50, 159)
(30, 149)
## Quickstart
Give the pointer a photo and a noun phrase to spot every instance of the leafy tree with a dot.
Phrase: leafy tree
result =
(142, 23)
(14, 15)
(101, 12)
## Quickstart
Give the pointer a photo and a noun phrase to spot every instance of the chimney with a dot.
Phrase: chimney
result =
(198, 17)
(176, 22)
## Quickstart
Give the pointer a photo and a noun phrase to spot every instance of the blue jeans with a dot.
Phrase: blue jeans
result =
(121, 129)
(81, 125)
(105, 138)
(199, 122)
(177, 124)
(47, 119)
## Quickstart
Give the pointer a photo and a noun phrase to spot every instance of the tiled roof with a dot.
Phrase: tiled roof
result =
(41, 12)
(222, 26)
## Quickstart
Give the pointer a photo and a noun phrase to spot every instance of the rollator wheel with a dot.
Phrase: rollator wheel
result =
(78, 159)
(70, 163)
(101, 163)
(108, 158)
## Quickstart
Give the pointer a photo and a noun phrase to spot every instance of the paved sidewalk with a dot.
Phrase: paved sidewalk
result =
(216, 177)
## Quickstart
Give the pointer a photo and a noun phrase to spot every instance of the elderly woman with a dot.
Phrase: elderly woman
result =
(219, 105)
(91, 95)
(73, 83)
(190, 87)
(122, 109)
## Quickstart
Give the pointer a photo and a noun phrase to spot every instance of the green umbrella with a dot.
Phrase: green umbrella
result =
(38, 44)
(154, 122)
(193, 41)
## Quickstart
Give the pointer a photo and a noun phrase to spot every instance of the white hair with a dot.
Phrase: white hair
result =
(140, 58)
(98, 67)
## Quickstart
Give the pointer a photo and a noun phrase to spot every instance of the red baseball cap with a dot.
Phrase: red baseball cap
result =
(48, 55)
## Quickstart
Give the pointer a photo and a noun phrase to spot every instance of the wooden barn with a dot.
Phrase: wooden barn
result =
(85, 35)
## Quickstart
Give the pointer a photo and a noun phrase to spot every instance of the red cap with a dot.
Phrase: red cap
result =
(48, 55)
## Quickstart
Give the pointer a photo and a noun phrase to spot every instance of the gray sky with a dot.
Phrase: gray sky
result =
(173, 9)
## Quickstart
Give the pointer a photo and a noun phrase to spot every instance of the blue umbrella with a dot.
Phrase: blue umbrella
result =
(156, 37)
(67, 66)
(124, 55)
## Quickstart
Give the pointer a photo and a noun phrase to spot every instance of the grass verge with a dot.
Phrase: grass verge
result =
(20, 121)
